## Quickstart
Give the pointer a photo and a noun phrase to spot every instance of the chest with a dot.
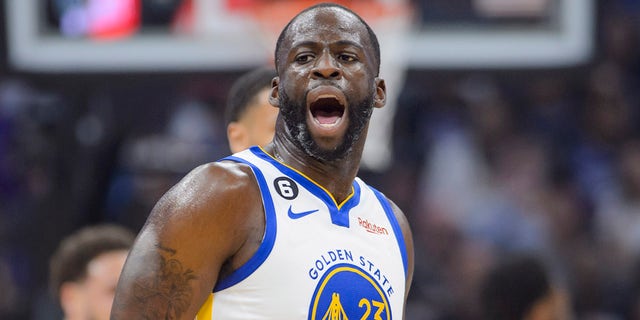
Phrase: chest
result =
(318, 258)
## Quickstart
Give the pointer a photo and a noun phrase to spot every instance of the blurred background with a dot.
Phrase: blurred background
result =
(512, 127)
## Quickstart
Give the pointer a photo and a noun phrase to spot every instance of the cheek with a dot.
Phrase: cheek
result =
(262, 133)
(292, 91)
(104, 289)
(361, 86)
(296, 80)
(100, 299)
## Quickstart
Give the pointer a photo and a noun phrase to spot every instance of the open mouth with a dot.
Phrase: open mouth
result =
(327, 110)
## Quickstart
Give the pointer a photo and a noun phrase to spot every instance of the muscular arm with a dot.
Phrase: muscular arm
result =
(198, 226)
(408, 239)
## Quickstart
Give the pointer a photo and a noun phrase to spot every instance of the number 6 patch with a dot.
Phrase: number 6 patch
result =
(286, 187)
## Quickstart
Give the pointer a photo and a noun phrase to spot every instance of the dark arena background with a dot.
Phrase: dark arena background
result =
(512, 129)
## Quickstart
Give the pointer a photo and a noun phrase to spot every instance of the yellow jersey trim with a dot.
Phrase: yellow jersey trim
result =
(206, 311)
(313, 181)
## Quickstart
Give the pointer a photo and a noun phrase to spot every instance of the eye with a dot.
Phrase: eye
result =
(346, 57)
(303, 58)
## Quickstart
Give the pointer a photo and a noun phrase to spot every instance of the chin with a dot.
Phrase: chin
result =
(294, 116)
(328, 154)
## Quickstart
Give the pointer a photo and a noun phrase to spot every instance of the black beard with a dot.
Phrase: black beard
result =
(294, 116)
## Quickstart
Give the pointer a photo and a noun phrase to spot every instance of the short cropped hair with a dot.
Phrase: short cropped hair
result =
(75, 252)
(372, 35)
(513, 286)
(244, 91)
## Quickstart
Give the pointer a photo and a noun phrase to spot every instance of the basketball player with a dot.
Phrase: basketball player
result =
(286, 231)
(85, 268)
(250, 117)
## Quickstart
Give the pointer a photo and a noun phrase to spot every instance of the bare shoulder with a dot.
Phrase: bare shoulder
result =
(211, 212)
(211, 181)
(210, 189)
(193, 230)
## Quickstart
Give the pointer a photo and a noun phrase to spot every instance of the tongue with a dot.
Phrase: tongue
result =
(326, 117)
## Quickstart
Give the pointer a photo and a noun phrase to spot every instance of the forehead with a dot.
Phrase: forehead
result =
(107, 265)
(327, 24)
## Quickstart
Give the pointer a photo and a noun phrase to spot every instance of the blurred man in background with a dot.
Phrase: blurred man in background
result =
(85, 268)
(520, 287)
(249, 116)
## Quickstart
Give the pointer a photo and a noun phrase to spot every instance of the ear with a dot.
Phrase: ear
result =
(237, 136)
(380, 98)
(274, 97)
(72, 300)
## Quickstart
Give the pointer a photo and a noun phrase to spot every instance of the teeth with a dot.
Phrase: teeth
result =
(327, 119)
(328, 125)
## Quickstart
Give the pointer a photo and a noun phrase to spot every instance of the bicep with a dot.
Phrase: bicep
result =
(176, 258)
(159, 281)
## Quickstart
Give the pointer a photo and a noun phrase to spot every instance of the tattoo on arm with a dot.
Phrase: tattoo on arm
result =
(167, 293)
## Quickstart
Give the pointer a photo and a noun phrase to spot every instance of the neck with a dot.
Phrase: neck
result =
(335, 176)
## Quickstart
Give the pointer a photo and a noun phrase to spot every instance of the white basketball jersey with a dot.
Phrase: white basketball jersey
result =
(318, 259)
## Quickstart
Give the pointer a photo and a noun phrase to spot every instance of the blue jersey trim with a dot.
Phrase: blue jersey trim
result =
(339, 215)
(269, 233)
(395, 225)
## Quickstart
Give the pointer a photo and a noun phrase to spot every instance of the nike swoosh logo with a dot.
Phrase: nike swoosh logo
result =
(298, 215)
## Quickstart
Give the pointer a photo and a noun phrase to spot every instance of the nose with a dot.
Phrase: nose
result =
(326, 68)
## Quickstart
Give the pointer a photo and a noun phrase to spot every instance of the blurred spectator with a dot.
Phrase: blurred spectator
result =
(34, 127)
(85, 268)
(520, 288)
(249, 116)
(618, 223)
